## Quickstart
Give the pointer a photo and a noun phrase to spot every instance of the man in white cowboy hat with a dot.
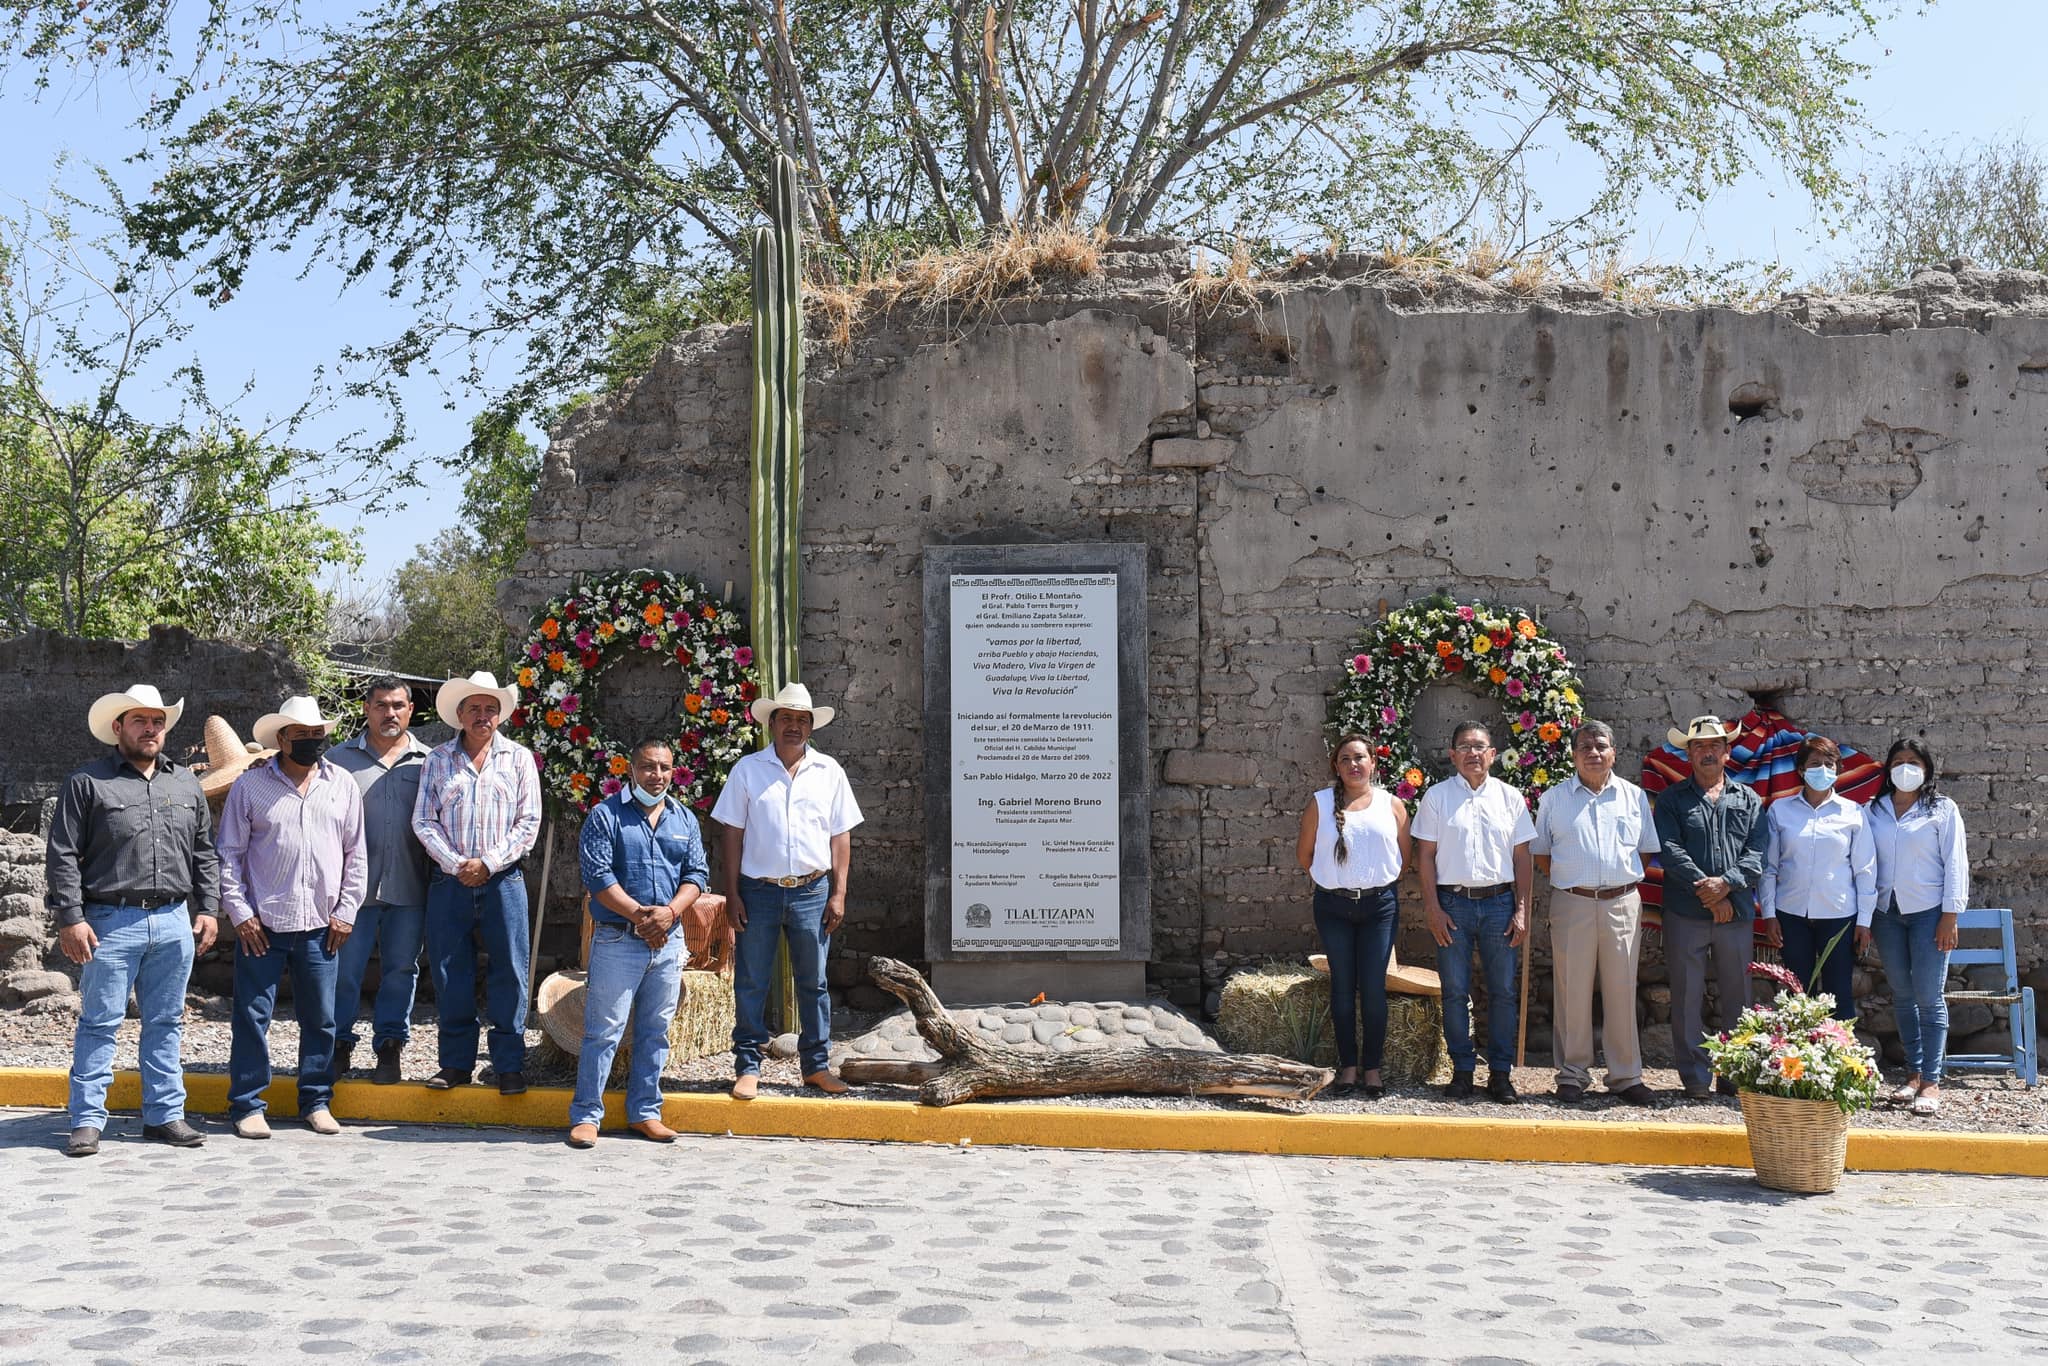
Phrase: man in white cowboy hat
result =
(130, 854)
(1713, 839)
(292, 871)
(787, 813)
(477, 815)
(386, 760)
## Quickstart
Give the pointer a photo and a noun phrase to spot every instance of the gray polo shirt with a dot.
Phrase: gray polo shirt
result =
(398, 865)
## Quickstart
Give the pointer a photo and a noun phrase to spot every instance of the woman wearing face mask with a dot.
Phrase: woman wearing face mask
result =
(1923, 883)
(1352, 843)
(1819, 887)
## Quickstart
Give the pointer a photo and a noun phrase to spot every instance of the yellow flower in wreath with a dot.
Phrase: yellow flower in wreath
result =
(1541, 777)
(1480, 645)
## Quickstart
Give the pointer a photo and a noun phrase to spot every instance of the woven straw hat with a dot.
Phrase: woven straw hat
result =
(227, 758)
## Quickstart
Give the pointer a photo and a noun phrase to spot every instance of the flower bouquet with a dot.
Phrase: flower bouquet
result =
(1801, 1074)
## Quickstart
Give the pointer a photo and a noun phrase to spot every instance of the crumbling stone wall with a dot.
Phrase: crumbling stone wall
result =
(1835, 506)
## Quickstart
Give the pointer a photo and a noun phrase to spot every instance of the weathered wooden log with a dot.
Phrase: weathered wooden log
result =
(968, 1068)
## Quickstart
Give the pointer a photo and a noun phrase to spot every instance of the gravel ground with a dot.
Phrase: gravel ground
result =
(1979, 1104)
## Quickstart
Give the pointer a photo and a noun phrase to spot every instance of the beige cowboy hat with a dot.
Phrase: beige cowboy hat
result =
(448, 701)
(1703, 728)
(227, 758)
(296, 711)
(109, 708)
(1401, 978)
(791, 697)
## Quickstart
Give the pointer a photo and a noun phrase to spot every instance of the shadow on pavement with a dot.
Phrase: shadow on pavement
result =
(1727, 1187)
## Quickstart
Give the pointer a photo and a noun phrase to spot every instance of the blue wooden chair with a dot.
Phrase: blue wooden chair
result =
(2024, 1060)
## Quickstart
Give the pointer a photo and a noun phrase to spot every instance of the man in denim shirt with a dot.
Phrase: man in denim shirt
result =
(1713, 838)
(643, 864)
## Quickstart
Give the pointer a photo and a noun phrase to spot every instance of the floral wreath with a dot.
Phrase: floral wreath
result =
(602, 620)
(1502, 650)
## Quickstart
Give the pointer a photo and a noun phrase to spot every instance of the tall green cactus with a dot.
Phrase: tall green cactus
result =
(778, 492)
(777, 520)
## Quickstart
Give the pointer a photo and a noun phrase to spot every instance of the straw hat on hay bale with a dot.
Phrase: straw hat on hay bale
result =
(227, 758)
(1401, 979)
(1284, 1008)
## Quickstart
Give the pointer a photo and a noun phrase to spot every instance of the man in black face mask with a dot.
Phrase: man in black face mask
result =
(293, 871)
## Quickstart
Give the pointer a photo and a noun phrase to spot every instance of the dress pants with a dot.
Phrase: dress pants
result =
(1688, 943)
(1596, 941)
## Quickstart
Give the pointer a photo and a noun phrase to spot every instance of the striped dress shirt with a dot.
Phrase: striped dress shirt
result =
(292, 860)
(490, 813)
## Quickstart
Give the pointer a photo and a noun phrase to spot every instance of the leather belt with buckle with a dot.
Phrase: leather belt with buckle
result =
(800, 880)
(1481, 893)
(1599, 893)
(142, 903)
(1354, 893)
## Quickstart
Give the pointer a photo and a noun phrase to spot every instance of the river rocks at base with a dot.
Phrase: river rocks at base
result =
(31, 984)
(1045, 1028)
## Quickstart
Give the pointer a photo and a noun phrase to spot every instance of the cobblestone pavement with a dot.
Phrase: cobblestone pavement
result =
(403, 1244)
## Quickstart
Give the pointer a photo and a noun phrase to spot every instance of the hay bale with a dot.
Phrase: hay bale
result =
(703, 1021)
(1284, 1008)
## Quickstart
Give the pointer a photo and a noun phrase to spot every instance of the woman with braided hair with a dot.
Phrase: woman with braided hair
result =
(1353, 844)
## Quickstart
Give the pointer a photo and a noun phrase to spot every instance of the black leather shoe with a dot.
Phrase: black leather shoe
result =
(1371, 1090)
(1636, 1094)
(177, 1133)
(84, 1142)
(1460, 1087)
(450, 1076)
(511, 1083)
(386, 1073)
(1726, 1087)
(1568, 1094)
(1501, 1088)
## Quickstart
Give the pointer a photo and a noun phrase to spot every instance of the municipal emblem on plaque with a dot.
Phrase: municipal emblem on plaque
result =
(978, 916)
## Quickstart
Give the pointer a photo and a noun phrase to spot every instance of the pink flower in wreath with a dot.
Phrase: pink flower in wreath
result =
(610, 786)
(570, 702)
(743, 656)
(1361, 664)
(1528, 759)
(1528, 720)
(685, 776)
(533, 651)
(647, 640)
(704, 687)
(1515, 687)
(583, 639)
(1465, 614)
(1389, 715)
(1405, 791)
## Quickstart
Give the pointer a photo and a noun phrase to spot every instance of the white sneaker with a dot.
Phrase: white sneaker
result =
(252, 1125)
(320, 1122)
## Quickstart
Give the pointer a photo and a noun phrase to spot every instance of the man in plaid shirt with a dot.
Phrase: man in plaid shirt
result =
(477, 816)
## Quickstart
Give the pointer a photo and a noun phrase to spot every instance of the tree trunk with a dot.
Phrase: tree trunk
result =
(968, 1068)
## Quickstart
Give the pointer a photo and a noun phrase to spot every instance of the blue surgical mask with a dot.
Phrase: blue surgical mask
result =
(1819, 779)
(644, 797)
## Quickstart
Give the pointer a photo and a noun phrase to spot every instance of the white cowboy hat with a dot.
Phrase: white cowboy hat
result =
(791, 697)
(1703, 728)
(448, 701)
(100, 718)
(296, 711)
(227, 758)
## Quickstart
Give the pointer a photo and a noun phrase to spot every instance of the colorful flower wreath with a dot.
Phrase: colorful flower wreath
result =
(577, 636)
(1500, 650)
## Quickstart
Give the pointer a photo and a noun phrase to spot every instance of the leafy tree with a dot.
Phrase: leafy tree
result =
(532, 167)
(1988, 203)
(110, 522)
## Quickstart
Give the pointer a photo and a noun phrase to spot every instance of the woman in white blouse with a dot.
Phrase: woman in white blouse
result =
(1819, 886)
(1923, 883)
(1353, 842)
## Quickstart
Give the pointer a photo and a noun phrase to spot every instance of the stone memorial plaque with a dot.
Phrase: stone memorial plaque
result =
(1034, 731)
(1037, 772)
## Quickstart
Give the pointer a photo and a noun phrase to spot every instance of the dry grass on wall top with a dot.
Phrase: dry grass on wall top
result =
(1284, 1008)
(965, 283)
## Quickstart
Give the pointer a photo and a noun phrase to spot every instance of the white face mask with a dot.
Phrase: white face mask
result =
(1819, 779)
(1908, 777)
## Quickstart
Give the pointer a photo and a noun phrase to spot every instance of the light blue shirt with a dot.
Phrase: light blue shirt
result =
(1921, 857)
(1822, 865)
(651, 862)
(1595, 839)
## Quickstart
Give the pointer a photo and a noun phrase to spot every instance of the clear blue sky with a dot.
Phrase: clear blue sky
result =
(1967, 71)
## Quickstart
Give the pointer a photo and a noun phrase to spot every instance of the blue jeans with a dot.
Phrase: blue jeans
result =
(305, 955)
(627, 980)
(1358, 939)
(150, 952)
(458, 916)
(1480, 926)
(772, 913)
(1806, 940)
(1918, 972)
(394, 934)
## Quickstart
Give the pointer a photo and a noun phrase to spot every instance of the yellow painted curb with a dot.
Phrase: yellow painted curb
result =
(1077, 1126)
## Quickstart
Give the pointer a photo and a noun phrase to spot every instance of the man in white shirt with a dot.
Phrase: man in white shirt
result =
(787, 814)
(1591, 834)
(1472, 834)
